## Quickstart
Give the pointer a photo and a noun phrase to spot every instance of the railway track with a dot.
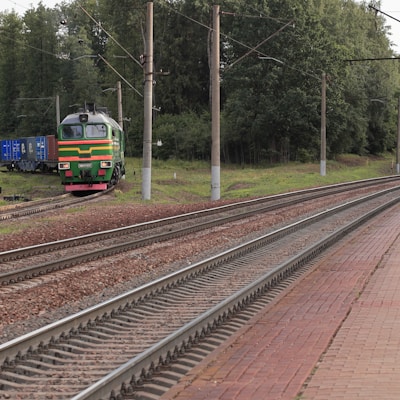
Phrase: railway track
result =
(30, 262)
(109, 350)
(37, 206)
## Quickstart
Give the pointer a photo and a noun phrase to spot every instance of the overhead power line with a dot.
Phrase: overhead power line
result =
(387, 15)
(110, 36)
(260, 44)
(132, 87)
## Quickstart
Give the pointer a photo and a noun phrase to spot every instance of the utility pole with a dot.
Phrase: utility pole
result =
(57, 110)
(323, 126)
(119, 100)
(215, 106)
(148, 105)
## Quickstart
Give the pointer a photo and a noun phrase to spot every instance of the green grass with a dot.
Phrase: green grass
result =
(6, 229)
(30, 185)
(186, 182)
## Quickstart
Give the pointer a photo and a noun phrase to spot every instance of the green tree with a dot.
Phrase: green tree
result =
(10, 70)
(41, 72)
(186, 136)
(273, 54)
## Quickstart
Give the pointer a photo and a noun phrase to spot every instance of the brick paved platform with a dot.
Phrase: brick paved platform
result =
(335, 335)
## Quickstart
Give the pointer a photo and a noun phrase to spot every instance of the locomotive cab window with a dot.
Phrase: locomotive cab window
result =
(72, 132)
(96, 131)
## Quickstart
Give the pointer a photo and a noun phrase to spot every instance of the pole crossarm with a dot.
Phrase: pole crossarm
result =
(372, 59)
(36, 98)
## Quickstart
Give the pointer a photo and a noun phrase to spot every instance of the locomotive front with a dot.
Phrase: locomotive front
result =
(90, 152)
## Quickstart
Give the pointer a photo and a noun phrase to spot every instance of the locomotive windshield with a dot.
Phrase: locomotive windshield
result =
(96, 131)
(72, 132)
(91, 131)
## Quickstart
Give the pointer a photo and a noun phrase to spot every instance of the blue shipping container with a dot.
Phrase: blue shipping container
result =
(34, 148)
(24, 149)
(10, 150)
(41, 148)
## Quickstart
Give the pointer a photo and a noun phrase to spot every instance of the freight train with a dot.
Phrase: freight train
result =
(29, 154)
(88, 151)
(91, 148)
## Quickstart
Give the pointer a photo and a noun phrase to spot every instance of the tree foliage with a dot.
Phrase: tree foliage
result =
(273, 54)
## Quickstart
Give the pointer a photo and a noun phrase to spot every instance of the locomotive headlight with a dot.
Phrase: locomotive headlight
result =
(63, 165)
(105, 164)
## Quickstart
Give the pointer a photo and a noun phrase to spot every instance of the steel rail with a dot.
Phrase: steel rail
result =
(52, 203)
(95, 237)
(22, 209)
(35, 340)
(125, 378)
(66, 262)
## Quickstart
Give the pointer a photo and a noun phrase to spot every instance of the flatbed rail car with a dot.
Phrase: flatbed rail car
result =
(29, 154)
(91, 148)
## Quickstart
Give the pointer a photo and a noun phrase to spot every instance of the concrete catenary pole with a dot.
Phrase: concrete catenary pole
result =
(215, 106)
(148, 104)
(323, 126)
(119, 99)
(57, 110)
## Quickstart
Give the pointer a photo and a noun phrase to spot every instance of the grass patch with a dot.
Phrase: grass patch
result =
(7, 229)
(72, 210)
(31, 186)
(187, 182)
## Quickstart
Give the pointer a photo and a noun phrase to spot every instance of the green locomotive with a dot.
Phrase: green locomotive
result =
(91, 148)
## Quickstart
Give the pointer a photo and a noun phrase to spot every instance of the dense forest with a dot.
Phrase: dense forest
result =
(273, 55)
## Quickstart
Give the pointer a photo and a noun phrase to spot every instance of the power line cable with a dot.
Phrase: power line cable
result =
(378, 10)
(110, 36)
(260, 44)
(210, 28)
(102, 58)
(251, 49)
(133, 88)
(28, 45)
(17, 4)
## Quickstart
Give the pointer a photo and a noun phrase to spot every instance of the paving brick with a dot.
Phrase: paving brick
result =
(335, 335)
